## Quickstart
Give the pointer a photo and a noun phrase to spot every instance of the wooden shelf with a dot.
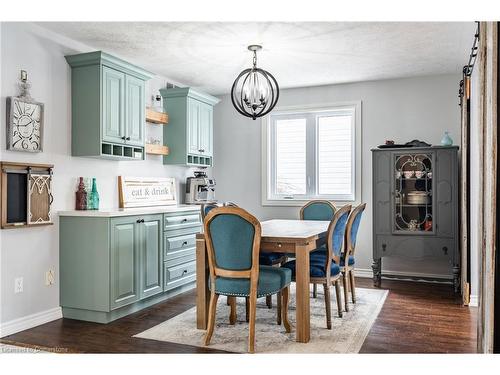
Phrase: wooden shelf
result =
(156, 149)
(155, 117)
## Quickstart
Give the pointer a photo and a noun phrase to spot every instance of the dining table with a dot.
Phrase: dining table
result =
(299, 237)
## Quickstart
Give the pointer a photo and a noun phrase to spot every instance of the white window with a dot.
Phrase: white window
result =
(312, 154)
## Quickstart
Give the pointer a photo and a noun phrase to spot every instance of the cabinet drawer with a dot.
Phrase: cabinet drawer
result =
(182, 221)
(175, 247)
(179, 275)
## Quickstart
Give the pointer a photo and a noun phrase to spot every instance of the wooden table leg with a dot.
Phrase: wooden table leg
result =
(302, 294)
(202, 292)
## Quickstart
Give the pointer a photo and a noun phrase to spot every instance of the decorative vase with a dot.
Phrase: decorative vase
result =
(446, 140)
(81, 196)
(94, 197)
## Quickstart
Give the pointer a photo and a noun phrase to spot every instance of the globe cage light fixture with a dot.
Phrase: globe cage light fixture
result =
(255, 91)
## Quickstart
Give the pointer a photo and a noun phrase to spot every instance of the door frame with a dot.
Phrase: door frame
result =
(488, 118)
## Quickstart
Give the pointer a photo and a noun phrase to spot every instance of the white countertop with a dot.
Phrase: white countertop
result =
(116, 212)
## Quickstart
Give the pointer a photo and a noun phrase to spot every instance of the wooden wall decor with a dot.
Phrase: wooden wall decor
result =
(146, 191)
(39, 198)
(25, 194)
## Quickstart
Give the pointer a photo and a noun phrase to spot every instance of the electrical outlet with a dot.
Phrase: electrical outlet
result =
(18, 285)
(49, 278)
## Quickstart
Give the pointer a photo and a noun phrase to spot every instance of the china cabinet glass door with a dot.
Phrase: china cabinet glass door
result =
(413, 202)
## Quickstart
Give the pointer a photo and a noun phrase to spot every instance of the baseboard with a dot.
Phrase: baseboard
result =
(414, 276)
(474, 300)
(29, 321)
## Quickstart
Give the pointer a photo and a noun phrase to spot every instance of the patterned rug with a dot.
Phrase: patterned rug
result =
(346, 336)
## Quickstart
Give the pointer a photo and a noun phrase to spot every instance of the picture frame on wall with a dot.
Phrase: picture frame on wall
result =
(24, 124)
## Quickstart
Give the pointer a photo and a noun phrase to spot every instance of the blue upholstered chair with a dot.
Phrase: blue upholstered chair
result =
(317, 210)
(348, 253)
(233, 242)
(206, 208)
(350, 240)
(325, 270)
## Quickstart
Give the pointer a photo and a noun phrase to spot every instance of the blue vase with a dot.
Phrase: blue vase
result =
(446, 140)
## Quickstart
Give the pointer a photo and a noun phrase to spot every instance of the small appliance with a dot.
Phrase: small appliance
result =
(200, 189)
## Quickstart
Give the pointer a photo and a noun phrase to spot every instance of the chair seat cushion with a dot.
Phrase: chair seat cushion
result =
(316, 268)
(320, 255)
(271, 281)
(269, 259)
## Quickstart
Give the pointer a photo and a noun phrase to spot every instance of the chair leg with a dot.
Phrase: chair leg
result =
(232, 314)
(211, 317)
(339, 297)
(279, 307)
(269, 301)
(315, 290)
(284, 308)
(345, 282)
(247, 309)
(353, 286)
(251, 324)
(328, 306)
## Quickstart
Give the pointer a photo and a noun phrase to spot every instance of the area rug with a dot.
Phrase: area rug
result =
(346, 336)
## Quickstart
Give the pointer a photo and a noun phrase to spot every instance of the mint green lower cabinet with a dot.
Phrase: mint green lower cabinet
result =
(125, 258)
(112, 267)
(152, 256)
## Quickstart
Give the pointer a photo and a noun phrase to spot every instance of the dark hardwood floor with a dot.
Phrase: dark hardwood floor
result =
(416, 318)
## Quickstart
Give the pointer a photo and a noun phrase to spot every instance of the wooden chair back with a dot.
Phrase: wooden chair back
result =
(352, 229)
(206, 208)
(232, 237)
(336, 233)
(318, 210)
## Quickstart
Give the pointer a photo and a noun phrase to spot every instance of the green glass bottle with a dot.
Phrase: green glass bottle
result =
(94, 197)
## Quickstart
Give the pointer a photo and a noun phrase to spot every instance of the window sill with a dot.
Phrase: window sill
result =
(302, 202)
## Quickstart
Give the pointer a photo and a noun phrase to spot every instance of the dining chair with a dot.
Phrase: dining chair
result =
(350, 241)
(233, 244)
(347, 271)
(206, 208)
(317, 210)
(326, 270)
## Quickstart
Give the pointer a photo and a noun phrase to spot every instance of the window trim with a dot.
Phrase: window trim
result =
(266, 167)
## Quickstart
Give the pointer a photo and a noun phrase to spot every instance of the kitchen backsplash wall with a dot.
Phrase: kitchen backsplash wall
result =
(30, 252)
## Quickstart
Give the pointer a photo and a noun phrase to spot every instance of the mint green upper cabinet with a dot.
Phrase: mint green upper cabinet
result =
(135, 116)
(152, 256)
(193, 119)
(113, 100)
(189, 133)
(125, 258)
(108, 106)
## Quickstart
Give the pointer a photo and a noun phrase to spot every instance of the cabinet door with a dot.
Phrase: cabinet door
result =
(193, 121)
(113, 101)
(205, 129)
(152, 255)
(446, 189)
(124, 262)
(135, 111)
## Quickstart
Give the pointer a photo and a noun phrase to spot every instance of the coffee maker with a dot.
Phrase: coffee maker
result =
(200, 189)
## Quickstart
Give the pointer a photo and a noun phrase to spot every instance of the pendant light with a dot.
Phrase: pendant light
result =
(255, 91)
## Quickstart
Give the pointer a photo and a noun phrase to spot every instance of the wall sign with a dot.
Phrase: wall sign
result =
(146, 191)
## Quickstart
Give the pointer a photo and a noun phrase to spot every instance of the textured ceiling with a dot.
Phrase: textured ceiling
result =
(210, 55)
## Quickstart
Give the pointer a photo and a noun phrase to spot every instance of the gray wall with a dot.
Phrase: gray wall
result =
(402, 109)
(30, 252)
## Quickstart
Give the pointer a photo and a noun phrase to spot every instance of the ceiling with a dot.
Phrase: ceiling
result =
(209, 55)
